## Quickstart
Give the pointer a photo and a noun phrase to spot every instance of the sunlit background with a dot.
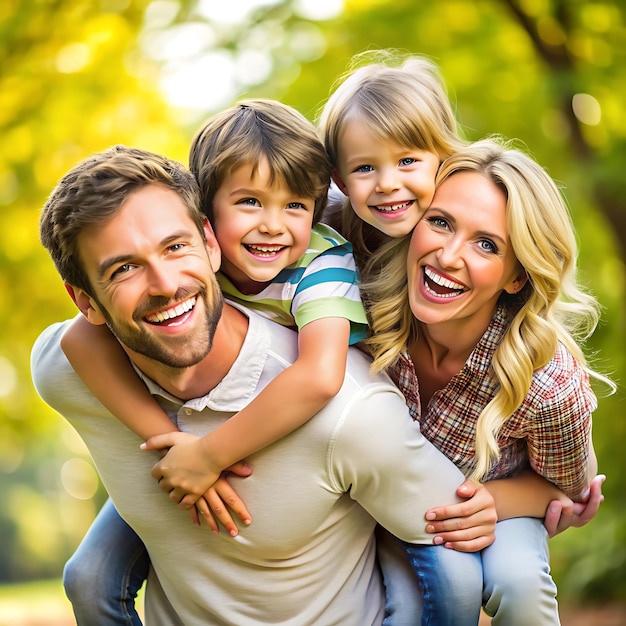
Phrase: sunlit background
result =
(77, 77)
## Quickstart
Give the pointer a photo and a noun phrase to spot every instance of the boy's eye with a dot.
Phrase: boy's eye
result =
(249, 201)
(364, 168)
(296, 205)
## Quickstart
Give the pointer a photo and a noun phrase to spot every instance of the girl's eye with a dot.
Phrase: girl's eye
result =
(364, 169)
(408, 161)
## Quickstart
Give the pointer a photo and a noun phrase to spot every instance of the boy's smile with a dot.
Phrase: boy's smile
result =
(262, 226)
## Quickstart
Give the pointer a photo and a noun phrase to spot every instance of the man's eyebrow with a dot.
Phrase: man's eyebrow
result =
(183, 233)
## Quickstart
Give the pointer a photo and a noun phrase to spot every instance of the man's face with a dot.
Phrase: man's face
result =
(153, 278)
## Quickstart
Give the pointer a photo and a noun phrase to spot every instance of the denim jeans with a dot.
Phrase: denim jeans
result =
(103, 576)
(519, 590)
(512, 576)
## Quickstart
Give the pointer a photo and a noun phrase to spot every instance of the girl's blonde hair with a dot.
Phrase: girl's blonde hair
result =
(551, 307)
(400, 97)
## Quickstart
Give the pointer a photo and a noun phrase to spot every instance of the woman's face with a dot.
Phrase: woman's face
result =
(461, 258)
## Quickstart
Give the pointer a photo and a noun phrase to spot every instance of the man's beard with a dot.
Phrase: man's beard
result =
(178, 352)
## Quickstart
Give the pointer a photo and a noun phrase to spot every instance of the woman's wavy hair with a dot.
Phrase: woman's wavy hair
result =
(551, 307)
(401, 97)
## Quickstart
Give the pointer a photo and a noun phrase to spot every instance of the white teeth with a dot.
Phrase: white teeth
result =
(441, 281)
(393, 207)
(260, 249)
(176, 311)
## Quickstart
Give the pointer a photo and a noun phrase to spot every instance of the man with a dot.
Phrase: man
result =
(125, 233)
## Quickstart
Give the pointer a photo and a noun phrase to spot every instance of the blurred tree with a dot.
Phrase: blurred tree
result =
(77, 77)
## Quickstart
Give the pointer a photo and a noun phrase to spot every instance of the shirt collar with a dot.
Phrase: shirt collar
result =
(236, 389)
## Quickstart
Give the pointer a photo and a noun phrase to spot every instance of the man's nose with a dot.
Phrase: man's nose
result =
(162, 280)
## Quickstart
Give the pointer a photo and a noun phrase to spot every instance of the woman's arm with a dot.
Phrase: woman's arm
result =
(290, 400)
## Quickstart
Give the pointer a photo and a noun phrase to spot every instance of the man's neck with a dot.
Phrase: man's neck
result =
(198, 380)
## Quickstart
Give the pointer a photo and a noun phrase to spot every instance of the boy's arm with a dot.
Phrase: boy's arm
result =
(289, 401)
(102, 365)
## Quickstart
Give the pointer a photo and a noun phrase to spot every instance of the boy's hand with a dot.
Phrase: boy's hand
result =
(220, 500)
(564, 513)
(185, 472)
(468, 526)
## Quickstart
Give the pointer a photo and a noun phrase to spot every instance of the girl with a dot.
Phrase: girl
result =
(481, 305)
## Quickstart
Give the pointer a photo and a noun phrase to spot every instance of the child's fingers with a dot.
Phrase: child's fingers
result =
(220, 510)
(228, 495)
(202, 508)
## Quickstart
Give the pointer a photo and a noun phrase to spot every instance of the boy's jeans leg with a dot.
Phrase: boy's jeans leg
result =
(103, 576)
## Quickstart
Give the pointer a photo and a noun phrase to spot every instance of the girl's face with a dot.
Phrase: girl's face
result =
(461, 258)
(261, 228)
(389, 185)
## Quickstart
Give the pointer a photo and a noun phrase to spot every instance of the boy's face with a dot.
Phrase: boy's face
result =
(389, 185)
(261, 228)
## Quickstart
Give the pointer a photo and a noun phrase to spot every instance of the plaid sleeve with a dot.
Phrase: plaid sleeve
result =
(558, 444)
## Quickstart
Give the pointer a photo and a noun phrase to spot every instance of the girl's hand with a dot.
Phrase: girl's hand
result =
(468, 526)
(564, 513)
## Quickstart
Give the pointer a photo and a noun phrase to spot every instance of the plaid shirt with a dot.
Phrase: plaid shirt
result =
(549, 432)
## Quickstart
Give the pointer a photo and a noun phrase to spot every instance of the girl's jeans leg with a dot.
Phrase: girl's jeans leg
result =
(519, 590)
(103, 576)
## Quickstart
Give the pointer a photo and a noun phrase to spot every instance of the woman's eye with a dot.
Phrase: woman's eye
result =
(439, 222)
(488, 246)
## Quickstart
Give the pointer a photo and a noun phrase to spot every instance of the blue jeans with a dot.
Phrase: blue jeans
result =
(103, 576)
(519, 590)
(512, 577)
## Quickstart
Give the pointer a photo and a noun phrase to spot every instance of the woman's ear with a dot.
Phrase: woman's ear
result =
(86, 305)
(517, 284)
(337, 180)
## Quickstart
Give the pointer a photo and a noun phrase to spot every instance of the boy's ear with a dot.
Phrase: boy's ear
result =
(213, 248)
(339, 182)
(86, 305)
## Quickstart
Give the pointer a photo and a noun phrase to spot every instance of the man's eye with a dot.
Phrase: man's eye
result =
(122, 269)
(176, 246)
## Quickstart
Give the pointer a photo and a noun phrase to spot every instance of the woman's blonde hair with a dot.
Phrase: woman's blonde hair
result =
(400, 97)
(551, 307)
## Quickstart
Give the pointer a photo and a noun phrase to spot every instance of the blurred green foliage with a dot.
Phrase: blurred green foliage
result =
(77, 77)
